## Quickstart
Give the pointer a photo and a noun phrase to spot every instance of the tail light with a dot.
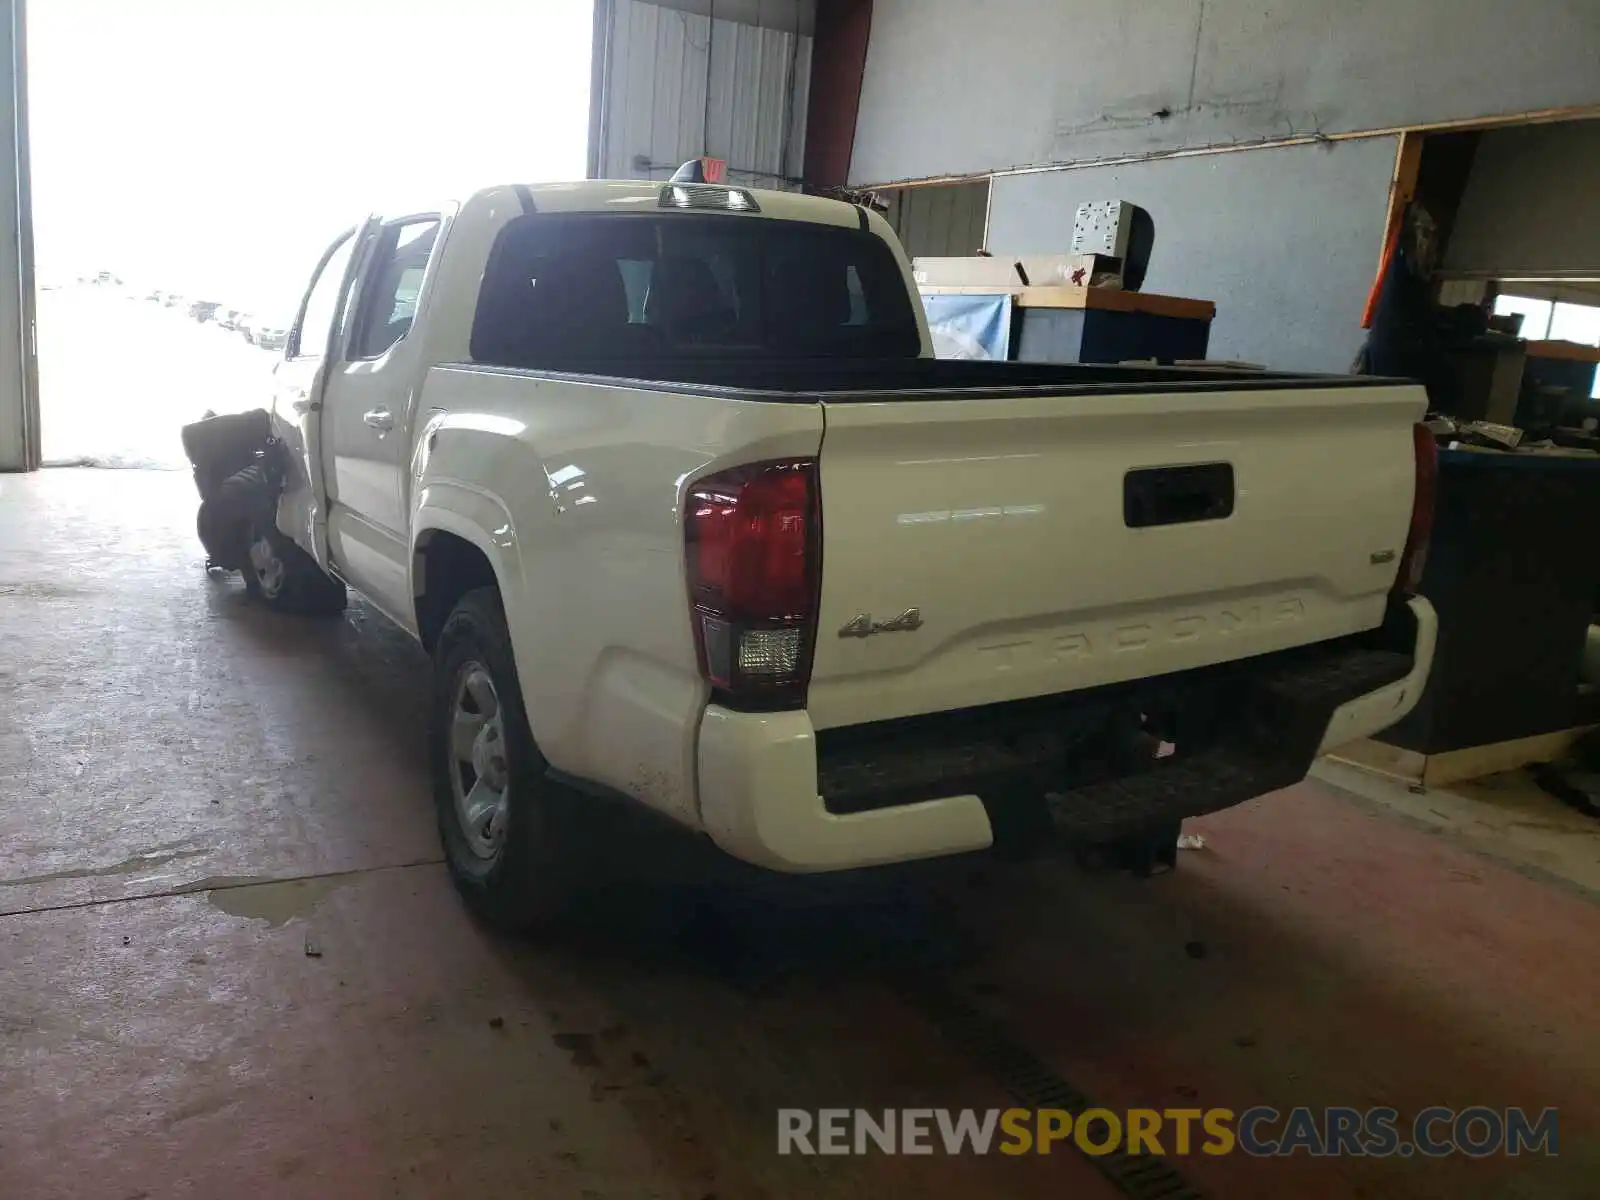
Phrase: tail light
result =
(1422, 506)
(753, 557)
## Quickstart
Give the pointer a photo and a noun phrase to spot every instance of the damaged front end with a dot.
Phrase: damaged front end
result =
(239, 472)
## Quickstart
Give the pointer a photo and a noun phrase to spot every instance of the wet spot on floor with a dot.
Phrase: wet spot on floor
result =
(277, 902)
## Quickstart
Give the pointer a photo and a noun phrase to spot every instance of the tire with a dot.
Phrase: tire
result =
(283, 576)
(515, 852)
(229, 505)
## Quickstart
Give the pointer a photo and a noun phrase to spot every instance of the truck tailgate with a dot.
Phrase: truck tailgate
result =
(1055, 543)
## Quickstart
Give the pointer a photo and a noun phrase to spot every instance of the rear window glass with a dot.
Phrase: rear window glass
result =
(568, 291)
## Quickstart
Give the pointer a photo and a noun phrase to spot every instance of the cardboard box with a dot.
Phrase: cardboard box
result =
(967, 271)
(1072, 270)
(1028, 270)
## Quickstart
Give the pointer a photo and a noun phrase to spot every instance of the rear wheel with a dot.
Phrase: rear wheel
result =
(511, 835)
(285, 577)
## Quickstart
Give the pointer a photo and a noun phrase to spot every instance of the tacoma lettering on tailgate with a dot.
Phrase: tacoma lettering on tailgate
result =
(1139, 635)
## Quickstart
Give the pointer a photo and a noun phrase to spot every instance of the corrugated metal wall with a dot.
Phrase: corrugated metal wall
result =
(678, 83)
(940, 219)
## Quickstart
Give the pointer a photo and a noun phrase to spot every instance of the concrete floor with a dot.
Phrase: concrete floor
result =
(231, 963)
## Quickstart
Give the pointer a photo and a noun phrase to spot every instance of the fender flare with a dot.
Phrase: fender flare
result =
(479, 518)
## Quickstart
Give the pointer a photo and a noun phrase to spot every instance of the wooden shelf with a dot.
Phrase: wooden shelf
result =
(1108, 299)
(1571, 351)
(1456, 766)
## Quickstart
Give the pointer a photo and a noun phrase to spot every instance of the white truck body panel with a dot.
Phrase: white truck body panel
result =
(758, 778)
(1001, 521)
(586, 537)
(998, 516)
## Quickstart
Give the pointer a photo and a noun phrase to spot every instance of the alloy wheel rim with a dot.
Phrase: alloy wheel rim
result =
(268, 566)
(479, 776)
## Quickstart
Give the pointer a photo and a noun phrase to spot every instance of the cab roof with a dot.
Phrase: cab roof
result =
(637, 195)
(609, 195)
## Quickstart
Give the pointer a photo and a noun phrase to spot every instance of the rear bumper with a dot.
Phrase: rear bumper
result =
(760, 801)
(775, 794)
(1377, 710)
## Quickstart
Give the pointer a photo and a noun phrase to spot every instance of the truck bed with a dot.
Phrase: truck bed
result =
(839, 380)
(1035, 528)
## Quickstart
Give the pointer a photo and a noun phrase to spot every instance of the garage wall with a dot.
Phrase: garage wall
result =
(939, 220)
(1532, 203)
(678, 78)
(954, 87)
(1284, 240)
(19, 424)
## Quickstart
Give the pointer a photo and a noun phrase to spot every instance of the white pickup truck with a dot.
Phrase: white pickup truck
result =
(667, 481)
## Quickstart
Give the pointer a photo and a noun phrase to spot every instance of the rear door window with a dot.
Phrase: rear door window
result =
(584, 291)
(393, 280)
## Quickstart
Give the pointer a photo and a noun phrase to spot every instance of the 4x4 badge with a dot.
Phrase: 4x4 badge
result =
(864, 626)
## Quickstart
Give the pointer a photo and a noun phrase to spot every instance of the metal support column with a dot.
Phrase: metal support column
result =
(19, 371)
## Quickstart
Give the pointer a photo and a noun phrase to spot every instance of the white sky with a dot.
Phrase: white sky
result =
(215, 148)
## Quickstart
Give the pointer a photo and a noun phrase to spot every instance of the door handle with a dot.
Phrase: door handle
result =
(380, 419)
(1177, 495)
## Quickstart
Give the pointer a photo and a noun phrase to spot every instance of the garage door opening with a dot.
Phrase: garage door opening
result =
(192, 159)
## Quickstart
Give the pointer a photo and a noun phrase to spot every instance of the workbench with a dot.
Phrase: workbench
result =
(1098, 325)
(1512, 575)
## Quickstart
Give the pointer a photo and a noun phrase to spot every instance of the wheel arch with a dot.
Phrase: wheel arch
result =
(454, 553)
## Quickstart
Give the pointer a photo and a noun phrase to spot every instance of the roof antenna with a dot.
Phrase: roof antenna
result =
(693, 171)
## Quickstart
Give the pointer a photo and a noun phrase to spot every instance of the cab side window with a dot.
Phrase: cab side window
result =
(311, 332)
(388, 301)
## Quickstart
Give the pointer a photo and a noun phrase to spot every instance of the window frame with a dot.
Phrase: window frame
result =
(372, 265)
(1549, 326)
(1555, 311)
(912, 330)
(292, 349)
(1527, 333)
(1554, 307)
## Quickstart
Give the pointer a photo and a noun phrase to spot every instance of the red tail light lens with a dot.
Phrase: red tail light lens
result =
(752, 551)
(1422, 506)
